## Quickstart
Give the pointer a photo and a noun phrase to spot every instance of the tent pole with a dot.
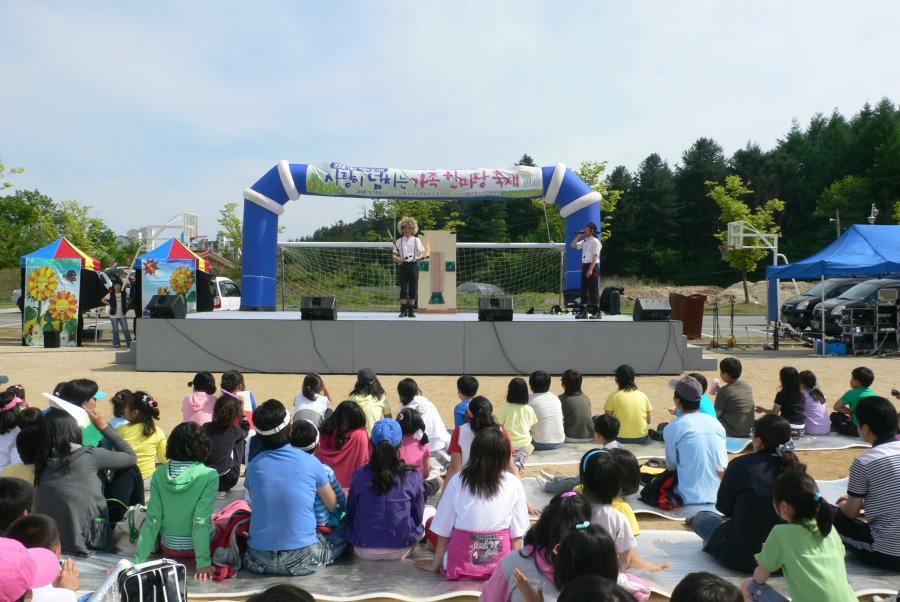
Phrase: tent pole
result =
(822, 305)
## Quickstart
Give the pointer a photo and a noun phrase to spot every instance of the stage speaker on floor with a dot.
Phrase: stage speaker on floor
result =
(611, 300)
(651, 309)
(51, 339)
(318, 308)
(495, 309)
(171, 307)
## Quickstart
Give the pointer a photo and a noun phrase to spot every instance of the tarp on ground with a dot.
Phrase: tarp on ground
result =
(862, 250)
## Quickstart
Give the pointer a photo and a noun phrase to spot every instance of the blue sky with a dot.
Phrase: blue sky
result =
(144, 110)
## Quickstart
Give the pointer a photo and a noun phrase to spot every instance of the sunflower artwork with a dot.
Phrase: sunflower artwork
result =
(51, 300)
(171, 277)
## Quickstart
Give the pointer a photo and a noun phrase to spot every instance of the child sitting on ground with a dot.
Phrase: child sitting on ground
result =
(808, 550)
(11, 403)
(40, 531)
(119, 401)
(227, 442)
(198, 406)
(16, 500)
(517, 417)
(817, 422)
(414, 448)
(312, 402)
(182, 500)
(141, 433)
(345, 443)
(601, 479)
(843, 419)
(606, 429)
(438, 435)
(305, 436)
(370, 395)
(789, 402)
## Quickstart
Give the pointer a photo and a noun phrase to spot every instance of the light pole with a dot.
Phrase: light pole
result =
(837, 222)
(872, 214)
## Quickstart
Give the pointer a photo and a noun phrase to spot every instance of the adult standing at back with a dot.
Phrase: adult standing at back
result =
(631, 407)
(578, 422)
(548, 433)
(734, 401)
(695, 446)
(590, 268)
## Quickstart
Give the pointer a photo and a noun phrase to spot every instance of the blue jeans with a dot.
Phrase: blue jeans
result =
(638, 440)
(302, 561)
(705, 522)
(560, 484)
(546, 446)
(764, 593)
(116, 323)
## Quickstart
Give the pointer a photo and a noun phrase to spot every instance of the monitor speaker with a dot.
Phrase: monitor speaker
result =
(652, 309)
(495, 309)
(170, 307)
(318, 308)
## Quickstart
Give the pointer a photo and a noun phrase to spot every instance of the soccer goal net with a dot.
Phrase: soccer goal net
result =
(363, 276)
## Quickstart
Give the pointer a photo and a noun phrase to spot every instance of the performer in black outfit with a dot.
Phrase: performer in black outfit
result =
(408, 251)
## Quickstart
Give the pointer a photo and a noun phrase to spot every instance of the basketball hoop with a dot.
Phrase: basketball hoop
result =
(735, 238)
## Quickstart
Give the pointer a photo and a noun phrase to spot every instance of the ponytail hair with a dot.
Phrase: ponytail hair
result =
(799, 490)
(312, 386)
(147, 411)
(480, 413)
(232, 382)
(407, 389)
(411, 422)
(386, 467)
(808, 380)
(557, 520)
(775, 434)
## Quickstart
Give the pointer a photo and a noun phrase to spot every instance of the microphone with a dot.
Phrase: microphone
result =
(578, 232)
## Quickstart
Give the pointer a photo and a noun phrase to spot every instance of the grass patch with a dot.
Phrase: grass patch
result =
(10, 279)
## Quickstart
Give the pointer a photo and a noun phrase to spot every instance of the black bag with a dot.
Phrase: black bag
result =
(660, 491)
(154, 581)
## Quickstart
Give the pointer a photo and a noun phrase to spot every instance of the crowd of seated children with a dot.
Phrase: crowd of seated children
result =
(631, 406)
(745, 497)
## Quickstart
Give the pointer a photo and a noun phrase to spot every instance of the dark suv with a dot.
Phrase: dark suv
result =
(798, 311)
(861, 295)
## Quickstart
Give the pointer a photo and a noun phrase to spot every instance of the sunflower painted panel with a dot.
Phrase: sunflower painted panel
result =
(52, 288)
(169, 277)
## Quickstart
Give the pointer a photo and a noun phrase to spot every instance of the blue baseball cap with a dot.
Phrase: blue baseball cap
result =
(100, 395)
(387, 429)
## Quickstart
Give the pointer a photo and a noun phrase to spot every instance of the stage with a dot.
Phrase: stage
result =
(280, 342)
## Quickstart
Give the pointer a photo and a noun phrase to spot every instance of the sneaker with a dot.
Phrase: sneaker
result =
(654, 434)
(547, 475)
(221, 495)
(541, 480)
(581, 316)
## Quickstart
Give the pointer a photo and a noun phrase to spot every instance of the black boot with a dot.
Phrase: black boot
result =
(404, 310)
(411, 311)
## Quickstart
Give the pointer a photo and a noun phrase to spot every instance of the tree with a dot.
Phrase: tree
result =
(26, 224)
(86, 231)
(733, 209)
(233, 229)
(591, 172)
(703, 162)
(5, 173)
(658, 241)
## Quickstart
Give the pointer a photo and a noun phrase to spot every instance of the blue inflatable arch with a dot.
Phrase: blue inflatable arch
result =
(265, 200)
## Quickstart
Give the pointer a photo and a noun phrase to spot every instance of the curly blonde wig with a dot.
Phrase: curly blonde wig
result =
(411, 223)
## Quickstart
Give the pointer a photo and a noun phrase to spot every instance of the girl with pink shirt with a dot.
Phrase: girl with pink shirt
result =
(414, 448)
(198, 406)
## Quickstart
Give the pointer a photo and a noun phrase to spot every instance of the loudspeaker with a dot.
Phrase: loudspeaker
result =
(318, 308)
(167, 306)
(51, 339)
(611, 300)
(651, 309)
(495, 309)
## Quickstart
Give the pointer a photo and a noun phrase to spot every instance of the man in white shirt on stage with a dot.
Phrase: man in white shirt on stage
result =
(590, 268)
(408, 251)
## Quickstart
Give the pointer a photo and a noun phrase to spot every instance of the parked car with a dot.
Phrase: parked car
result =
(861, 295)
(798, 311)
(482, 289)
(16, 298)
(225, 293)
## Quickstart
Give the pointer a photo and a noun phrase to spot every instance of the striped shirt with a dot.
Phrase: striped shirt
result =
(875, 477)
(177, 542)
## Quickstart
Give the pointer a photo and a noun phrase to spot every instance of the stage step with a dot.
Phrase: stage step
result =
(694, 360)
(129, 356)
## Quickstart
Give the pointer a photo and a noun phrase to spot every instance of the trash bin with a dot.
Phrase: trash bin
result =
(689, 310)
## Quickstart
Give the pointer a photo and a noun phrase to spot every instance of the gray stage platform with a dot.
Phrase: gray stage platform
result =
(280, 342)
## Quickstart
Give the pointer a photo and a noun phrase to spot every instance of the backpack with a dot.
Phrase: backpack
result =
(127, 531)
(660, 491)
(154, 581)
(232, 526)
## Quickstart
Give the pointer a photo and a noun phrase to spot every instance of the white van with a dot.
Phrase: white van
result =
(225, 293)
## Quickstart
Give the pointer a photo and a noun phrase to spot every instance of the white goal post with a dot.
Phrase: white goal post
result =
(362, 275)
